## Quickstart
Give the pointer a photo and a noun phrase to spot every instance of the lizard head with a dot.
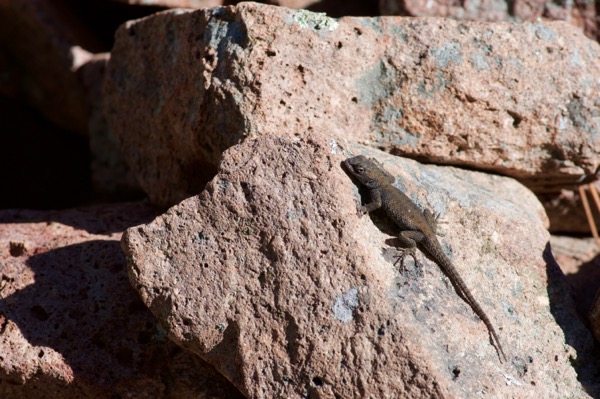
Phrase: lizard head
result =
(369, 172)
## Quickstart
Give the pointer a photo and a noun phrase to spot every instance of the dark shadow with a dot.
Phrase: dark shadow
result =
(225, 355)
(102, 18)
(562, 307)
(345, 8)
(80, 303)
(584, 284)
(82, 306)
(95, 219)
(41, 165)
(333, 8)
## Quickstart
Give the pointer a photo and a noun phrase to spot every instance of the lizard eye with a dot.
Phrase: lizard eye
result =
(360, 169)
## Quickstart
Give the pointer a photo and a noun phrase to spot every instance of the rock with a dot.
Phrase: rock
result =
(270, 276)
(578, 260)
(594, 314)
(333, 8)
(486, 10)
(71, 326)
(566, 212)
(46, 44)
(580, 14)
(515, 99)
(111, 177)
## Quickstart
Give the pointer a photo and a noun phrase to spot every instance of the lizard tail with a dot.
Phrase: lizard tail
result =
(462, 289)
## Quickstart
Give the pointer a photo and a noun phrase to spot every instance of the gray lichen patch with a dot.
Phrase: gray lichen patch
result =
(345, 304)
(315, 20)
(444, 55)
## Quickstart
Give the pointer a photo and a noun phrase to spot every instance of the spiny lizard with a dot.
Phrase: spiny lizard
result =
(417, 227)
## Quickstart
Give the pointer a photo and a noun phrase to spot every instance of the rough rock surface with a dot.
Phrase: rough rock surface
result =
(514, 99)
(46, 45)
(582, 14)
(110, 175)
(331, 7)
(270, 276)
(71, 326)
(578, 259)
(566, 212)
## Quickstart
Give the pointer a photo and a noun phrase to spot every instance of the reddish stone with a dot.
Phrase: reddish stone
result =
(580, 13)
(71, 326)
(270, 276)
(514, 99)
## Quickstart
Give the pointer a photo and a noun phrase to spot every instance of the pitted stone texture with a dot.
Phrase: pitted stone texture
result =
(581, 14)
(515, 99)
(270, 276)
(71, 326)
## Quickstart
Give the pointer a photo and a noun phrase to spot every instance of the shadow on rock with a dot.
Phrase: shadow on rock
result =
(584, 285)
(576, 335)
(81, 305)
(94, 219)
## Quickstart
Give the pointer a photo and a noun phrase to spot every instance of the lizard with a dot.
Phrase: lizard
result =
(417, 227)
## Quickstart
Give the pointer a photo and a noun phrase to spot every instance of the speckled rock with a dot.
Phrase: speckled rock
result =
(71, 326)
(270, 276)
(582, 14)
(516, 99)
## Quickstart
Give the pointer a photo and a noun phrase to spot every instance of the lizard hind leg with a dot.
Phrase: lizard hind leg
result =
(408, 246)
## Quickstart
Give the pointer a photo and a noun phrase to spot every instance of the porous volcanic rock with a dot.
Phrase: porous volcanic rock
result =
(71, 326)
(516, 99)
(270, 276)
(582, 14)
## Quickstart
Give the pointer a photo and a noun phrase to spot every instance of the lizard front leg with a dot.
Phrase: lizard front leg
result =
(373, 205)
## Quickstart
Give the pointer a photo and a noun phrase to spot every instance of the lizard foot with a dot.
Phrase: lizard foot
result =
(360, 211)
(402, 256)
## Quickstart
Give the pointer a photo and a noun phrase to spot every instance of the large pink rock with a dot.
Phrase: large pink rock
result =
(581, 14)
(71, 326)
(270, 276)
(516, 99)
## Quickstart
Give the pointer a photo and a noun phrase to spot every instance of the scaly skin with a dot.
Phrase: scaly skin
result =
(417, 227)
